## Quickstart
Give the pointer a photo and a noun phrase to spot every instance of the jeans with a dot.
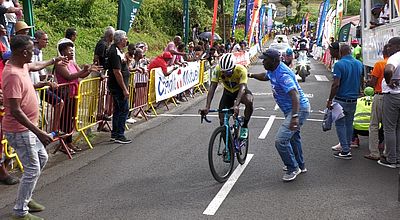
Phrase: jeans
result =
(120, 114)
(34, 157)
(344, 126)
(391, 126)
(288, 142)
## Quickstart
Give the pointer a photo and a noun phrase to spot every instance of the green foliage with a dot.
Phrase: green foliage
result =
(353, 7)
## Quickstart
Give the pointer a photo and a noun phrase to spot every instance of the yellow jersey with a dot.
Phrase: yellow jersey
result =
(231, 83)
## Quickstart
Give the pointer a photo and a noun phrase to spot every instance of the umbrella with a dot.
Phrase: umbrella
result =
(207, 35)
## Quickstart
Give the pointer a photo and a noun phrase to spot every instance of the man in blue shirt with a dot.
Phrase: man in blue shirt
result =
(347, 77)
(295, 106)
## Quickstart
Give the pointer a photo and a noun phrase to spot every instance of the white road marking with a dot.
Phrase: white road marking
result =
(276, 107)
(321, 78)
(267, 127)
(259, 108)
(215, 116)
(226, 188)
(262, 93)
(309, 95)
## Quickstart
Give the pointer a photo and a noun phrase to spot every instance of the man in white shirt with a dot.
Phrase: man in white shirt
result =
(391, 106)
(384, 15)
(11, 18)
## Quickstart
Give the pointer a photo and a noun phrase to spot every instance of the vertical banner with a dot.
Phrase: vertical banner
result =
(339, 16)
(261, 30)
(254, 16)
(270, 19)
(322, 22)
(236, 7)
(325, 38)
(344, 33)
(127, 10)
(303, 26)
(185, 21)
(306, 24)
(321, 8)
(214, 22)
(249, 11)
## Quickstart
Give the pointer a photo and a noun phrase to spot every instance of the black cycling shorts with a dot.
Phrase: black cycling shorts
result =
(228, 98)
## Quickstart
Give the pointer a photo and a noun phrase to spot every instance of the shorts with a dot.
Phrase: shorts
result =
(51, 97)
(228, 98)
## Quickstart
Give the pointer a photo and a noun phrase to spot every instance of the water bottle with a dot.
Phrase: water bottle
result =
(53, 134)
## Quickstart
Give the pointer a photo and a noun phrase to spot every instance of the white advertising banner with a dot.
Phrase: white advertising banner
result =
(178, 81)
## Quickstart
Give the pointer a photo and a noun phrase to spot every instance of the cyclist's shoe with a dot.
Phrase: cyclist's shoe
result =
(226, 157)
(244, 132)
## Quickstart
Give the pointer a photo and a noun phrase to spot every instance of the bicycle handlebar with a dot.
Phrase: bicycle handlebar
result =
(204, 116)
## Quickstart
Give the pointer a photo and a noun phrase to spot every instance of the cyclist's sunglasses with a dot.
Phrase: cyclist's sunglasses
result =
(228, 72)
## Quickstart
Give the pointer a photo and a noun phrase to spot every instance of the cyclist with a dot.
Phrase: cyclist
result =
(234, 79)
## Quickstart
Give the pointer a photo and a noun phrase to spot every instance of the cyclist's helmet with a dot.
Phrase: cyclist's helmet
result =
(369, 91)
(227, 62)
(289, 52)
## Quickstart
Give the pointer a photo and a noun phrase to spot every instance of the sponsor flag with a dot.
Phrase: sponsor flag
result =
(270, 20)
(236, 7)
(306, 25)
(321, 8)
(322, 22)
(214, 22)
(261, 29)
(127, 11)
(254, 17)
(344, 33)
(339, 16)
(249, 11)
(185, 21)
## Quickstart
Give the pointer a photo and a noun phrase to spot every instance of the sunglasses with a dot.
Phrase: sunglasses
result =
(228, 72)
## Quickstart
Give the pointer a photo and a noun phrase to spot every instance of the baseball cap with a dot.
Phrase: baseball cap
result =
(272, 53)
(354, 41)
(167, 55)
(7, 55)
(334, 45)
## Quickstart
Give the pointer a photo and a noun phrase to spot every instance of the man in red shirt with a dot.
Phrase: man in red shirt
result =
(21, 120)
(162, 62)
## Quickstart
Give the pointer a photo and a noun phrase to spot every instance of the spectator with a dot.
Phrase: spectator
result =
(70, 35)
(191, 53)
(357, 54)
(40, 79)
(102, 46)
(375, 12)
(21, 120)
(179, 60)
(172, 48)
(142, 45)
(375, 145)
(384, 15)
(118, 85)
(345, 91)
(290, 98)
(198, 52)
(4, 46)
(391, 106)
(21, 28)
(4, 10)
(11, 18)
(162, 62)
(70, 74)
(195, 33)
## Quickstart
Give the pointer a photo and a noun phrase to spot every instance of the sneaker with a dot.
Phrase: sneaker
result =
(287, 177)
(386, 163)
(35, 207)
(355, 143)
(130, 121)
(304, 170)
(244, 132)
(28, 216)
(342, 155)
(112, 138)
(337, 147)
(122, 140)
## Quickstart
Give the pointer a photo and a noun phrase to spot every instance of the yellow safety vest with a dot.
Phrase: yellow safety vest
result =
(362, 116)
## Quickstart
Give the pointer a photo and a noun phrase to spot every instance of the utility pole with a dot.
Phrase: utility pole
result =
(223, 17)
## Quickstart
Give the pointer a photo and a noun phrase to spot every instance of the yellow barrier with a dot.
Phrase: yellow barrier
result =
(200, 85)
(87, 105)
(151, 98)
(10, 154)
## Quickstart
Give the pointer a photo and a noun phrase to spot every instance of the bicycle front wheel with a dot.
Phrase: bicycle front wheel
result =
(220, 157)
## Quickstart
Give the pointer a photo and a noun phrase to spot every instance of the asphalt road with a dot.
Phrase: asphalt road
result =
(164, 173)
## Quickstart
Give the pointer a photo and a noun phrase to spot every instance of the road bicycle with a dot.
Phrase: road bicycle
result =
(221, 153)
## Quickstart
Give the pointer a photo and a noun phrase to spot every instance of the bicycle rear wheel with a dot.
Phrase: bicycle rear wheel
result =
(244, 148)
(220, 159)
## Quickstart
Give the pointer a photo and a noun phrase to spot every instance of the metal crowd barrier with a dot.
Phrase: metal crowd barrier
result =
(58, 111)
(9, 153)
(138, 90)
(202, 76)
(88, 98)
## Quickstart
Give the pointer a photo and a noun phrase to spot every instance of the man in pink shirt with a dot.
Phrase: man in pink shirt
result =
(172, 47)
(21, 120)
